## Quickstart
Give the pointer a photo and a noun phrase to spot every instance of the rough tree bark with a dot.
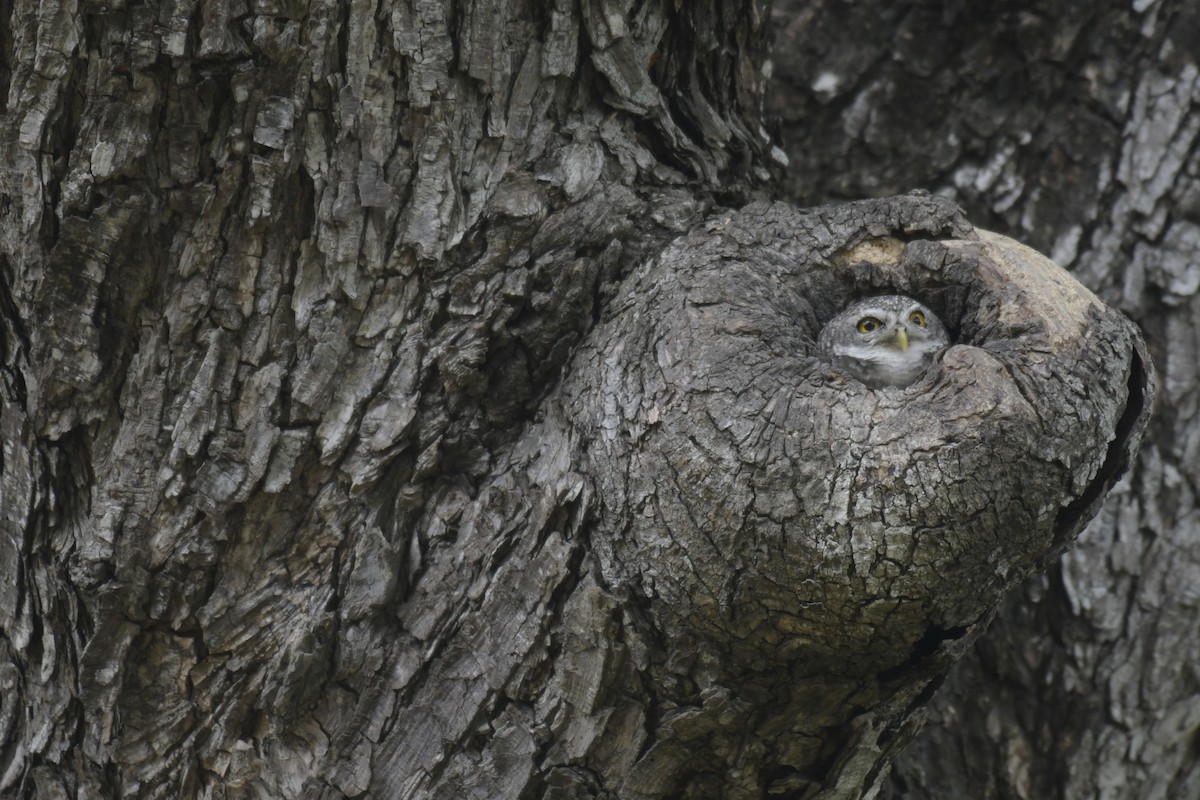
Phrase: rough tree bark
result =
(363, 434)
(1072, 127)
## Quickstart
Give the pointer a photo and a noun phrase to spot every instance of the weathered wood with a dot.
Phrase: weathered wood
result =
(809, 550)
(365, 434)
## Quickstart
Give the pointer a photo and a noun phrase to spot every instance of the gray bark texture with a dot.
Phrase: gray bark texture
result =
(1072, 127)
(420, 400)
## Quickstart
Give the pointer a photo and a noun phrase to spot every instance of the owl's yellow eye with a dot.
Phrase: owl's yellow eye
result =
(917, 318)
(868, 324)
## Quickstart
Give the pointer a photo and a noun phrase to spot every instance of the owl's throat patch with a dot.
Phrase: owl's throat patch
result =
(888, 365)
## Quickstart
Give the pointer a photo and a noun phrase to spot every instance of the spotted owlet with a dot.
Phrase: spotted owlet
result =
(883, 341)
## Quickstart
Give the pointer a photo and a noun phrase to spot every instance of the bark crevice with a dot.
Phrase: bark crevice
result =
(1130, 428)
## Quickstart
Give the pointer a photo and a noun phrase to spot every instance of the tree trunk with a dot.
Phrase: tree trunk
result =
(1072, 127)
(392, 405)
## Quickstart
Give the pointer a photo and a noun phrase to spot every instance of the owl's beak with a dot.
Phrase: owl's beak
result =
(901, 340)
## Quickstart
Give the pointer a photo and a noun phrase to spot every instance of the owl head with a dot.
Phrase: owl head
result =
(883, 341)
